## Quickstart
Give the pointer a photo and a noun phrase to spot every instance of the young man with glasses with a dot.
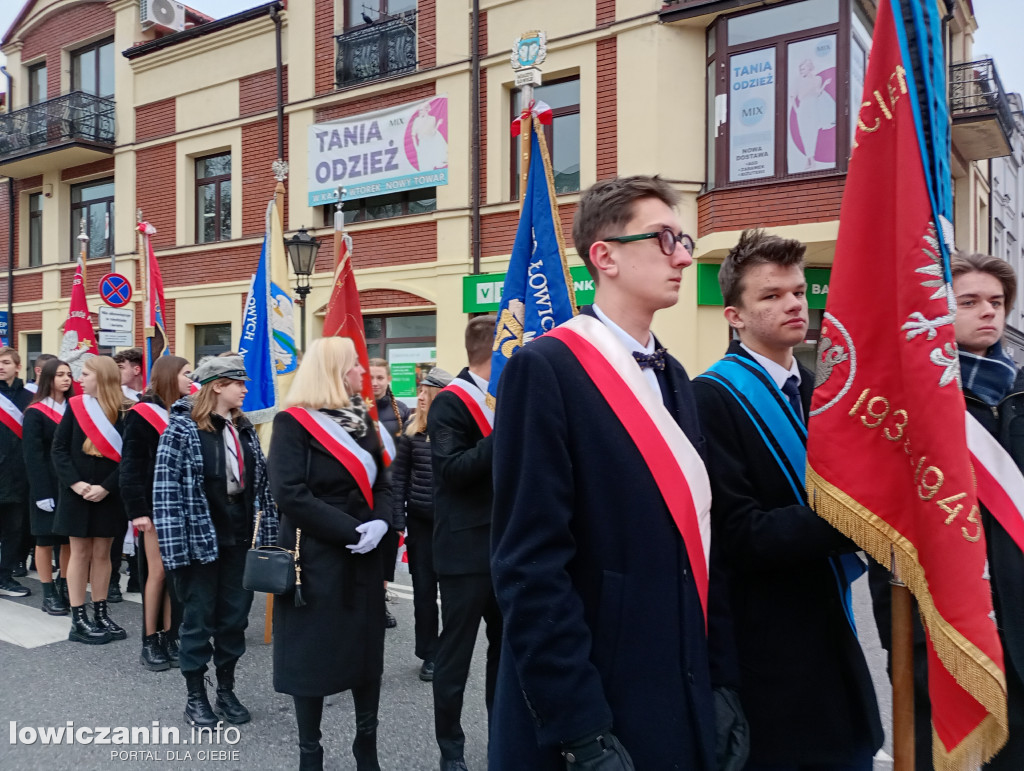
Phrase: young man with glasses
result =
(806, 688)
(600, 550)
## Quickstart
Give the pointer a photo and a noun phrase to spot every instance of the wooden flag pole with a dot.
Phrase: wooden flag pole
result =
(143, 285)
(525, 141)
(902, 673)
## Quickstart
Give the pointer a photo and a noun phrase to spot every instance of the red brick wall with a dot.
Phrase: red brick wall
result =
(154, 191)
(605, 15)
(389, 298)
(482, 42)
(20, 186)
(31, 321)
(607, 126)
(498, 231)
(426, 31)
(87, 169)
(397, 245)
(230, 263)
(259, 150)
(258, 92)
(61, 30)
(28, 287)
(376, 102)
(155, 120)
(4, 235)
(323, 45)
(771, 205)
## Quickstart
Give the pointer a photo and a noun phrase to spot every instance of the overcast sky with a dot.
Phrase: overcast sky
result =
(999, 31)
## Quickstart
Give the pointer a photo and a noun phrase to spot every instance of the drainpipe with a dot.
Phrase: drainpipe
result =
(275, 15)
(10, 226)
(475, 157)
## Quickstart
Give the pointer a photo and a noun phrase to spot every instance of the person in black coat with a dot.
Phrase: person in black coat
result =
(14, 511)
(461, 451)
(143, 426)
(334, 520)
(805, 685)
(87, 462)
(41, 421)
(608, 660)
(413, 494)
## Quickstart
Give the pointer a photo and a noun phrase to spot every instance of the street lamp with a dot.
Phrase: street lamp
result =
(302, 249)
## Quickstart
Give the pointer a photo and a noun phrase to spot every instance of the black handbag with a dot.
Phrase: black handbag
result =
(272, 569)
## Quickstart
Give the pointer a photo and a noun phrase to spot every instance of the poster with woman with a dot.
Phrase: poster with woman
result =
(811, 136)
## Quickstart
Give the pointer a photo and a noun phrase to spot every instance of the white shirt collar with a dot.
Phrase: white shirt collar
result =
(778, 373)
(630, 342)
(480, 382)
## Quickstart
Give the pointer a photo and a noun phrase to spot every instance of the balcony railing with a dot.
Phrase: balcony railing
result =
(978, 103)
(379, 50)
(72, 118)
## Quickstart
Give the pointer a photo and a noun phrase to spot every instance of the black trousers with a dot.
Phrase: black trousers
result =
(309, 711)
(420, 546)
(214, 607)
(388, 548)
(464, 601)
(116, 550)
(13, 529)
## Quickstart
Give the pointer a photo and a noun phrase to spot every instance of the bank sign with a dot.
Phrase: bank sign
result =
(710, 293)
(482, 293)
(377, 153)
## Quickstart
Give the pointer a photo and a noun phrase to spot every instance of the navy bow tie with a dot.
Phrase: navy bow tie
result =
(654, 360)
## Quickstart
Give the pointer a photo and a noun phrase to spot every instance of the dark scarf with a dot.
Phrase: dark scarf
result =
(990, 377)
(351, 418)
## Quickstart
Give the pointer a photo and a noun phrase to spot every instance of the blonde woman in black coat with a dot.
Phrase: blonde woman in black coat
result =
(327, 476)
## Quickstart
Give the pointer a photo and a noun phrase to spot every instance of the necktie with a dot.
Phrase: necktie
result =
(655, 361)
(235, 449)
(791, 388)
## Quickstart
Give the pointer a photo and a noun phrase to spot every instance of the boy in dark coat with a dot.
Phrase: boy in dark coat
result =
(805, 686)
(14, 399)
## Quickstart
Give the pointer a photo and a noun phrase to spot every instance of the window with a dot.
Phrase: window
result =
(35, 230)
(357, 11)
(33, 349)
(379, 41)
(211, 340)
(381, 207)
(563, 135)
(93, 202)
(213, 198)
(778, 80)
(385, 334)
(92, 69)
(37, 83)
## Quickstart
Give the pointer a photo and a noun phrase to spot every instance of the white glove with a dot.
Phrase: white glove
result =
(46, 504)
(372, 532)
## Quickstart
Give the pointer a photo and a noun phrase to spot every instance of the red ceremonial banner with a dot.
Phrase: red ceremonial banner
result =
(888, 462)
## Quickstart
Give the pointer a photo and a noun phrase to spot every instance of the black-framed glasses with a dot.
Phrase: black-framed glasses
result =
(667, 240)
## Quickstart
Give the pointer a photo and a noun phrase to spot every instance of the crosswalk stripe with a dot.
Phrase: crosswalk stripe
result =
(27, 626)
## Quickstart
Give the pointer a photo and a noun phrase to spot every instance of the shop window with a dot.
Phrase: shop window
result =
(385, 334)
(35, 230)
(562, 136)
(93, 202)
(211, 340)
(213, 198)
(381, 207)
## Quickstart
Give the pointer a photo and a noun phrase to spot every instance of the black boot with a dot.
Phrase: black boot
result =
(153, 657)
(364, 748)
(52, 603)
(85, 631)
(114, 589)
(308, 713)
(227, 705)
(62, 589)
(197, 708)
(311, 759)
(169, 644)
(99, 608)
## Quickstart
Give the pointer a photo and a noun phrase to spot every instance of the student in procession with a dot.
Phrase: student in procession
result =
(617, 652)
(412, 490)
(14, 493)
(328, 477)
(806, 688)
(393, 416)
(37, 369)
(131, 364)
(143, 426)
(459, 426)
(86, 454)
(209, 488)
(41, 421)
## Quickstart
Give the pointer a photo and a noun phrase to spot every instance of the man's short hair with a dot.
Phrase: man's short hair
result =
(42, 358)
(379, 363)
(962, 262)
(607, 206)
(132, 356)
(755, 247)
(480, 339)
(13, 353)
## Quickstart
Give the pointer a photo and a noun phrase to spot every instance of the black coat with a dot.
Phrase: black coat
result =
(804, 683)
(138, 462)
(386, 407)
(463, 490)
(75, 515)
(412, 479)
(603, 622)
(37, 438)
(13, 484)
(335, 641)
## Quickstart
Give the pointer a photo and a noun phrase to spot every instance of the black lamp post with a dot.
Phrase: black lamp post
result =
(302, 249)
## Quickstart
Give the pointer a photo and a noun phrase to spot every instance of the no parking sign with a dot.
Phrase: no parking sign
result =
(115, 290)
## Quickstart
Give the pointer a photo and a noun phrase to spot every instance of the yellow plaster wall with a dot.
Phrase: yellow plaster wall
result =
(207, 106)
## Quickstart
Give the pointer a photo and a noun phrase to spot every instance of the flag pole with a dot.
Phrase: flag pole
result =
(902, 672)
(143, 284)
(339, 225)
(525, 141)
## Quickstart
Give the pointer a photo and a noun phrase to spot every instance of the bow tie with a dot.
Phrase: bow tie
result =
(654, 360)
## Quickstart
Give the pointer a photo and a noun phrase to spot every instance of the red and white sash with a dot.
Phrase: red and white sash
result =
(675, 465)
(153, 414)
(50, 408)
(387, 443)
(94, 423)
(340, 444)
(1000, 482)
(31, 387)
(129, 393)
(10, 415)
(475, 401)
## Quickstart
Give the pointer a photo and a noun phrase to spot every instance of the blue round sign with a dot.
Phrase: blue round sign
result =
(115, 290)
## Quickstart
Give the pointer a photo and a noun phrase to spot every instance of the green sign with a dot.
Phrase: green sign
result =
(709, 293)
(482, 293)
(406, 364)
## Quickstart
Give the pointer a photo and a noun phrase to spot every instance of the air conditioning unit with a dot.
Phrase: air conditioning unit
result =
(165, 14)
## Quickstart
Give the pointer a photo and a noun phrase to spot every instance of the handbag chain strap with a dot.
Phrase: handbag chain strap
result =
(295, 554)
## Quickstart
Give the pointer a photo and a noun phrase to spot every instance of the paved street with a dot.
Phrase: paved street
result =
(54, 681)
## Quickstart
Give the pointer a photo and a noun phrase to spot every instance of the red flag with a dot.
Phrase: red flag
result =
(79, 337)
(888, 462)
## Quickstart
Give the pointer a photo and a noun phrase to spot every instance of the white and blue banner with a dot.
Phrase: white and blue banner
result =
(256, 342)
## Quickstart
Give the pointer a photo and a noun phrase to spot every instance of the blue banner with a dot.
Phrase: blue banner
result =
(255, 345)
(538, 292)
(4, 331)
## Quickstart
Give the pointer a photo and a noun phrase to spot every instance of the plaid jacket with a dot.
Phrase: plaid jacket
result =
(181, 514)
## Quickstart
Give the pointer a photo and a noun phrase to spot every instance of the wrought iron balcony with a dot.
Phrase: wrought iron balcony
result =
(982, 121)
(76, 121)
(379, 50)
